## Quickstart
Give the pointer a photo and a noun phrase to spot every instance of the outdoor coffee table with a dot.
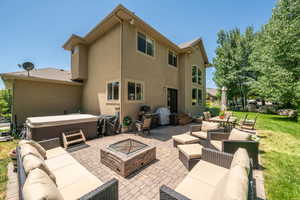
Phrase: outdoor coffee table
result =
(127, 156)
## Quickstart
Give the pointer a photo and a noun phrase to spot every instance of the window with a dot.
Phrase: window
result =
(113, 91)
(196, 96)
(172, 58)
(199, 97)
(145, 44)
(196, 75)
(135, 91)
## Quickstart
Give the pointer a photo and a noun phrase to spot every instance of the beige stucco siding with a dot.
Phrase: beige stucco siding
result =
(104, 64)
(32, 99)
(195, 58)
(154, 72)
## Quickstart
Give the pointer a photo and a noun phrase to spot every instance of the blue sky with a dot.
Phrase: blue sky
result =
(35, 30)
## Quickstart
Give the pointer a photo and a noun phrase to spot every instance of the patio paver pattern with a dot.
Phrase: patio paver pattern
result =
(143, 184)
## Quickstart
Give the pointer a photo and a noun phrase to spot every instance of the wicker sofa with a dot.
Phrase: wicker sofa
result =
(67, 178)
(217, 175)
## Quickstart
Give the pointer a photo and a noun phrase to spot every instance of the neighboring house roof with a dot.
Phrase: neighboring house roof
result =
(121, 13)
(211, 91)
(44, 74)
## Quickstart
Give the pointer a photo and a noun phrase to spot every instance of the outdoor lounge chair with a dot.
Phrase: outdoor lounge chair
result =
(216, 176)
(36, 176)
(144, 125)
(206, 116)
(248, 123)
(230, 142)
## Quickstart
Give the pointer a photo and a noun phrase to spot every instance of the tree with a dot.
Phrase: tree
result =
(5, 104)
(233, 69)
(276, 56)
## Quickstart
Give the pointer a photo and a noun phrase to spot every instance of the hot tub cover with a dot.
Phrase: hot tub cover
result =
(56, 120)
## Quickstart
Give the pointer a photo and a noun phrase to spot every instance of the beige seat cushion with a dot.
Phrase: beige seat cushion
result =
(69, 174)
(39, 186)
(236, 134)
(36, 145)
(194, 189)
(241, 158)
(217, 144)
(31, 162)
(51, 153)
(26, 149)
(60, 161)
(207, 126)
(200, 134)
(234, 186)
(81, 187)
(191, 150)
(185, 139)
(208, 172)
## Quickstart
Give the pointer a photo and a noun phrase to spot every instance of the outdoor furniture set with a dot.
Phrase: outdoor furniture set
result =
(217, 176)
(190, 144)
(47, 171)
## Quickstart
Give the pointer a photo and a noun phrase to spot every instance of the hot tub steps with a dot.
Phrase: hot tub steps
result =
(73, 137)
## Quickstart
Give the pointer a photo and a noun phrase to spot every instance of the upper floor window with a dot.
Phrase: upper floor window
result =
(113, 91)
(145, 44)
(196, 75)
(135, 91)
(172, 58)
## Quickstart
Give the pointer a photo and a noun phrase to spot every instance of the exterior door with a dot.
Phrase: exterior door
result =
(172, 100)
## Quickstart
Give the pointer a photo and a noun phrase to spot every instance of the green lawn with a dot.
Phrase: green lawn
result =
(5, 148)
(280, 153)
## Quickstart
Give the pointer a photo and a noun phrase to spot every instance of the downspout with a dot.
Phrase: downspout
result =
(121, 68)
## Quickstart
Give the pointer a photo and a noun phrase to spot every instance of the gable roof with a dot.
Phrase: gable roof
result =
(44, 74)
(212, 91)
(121, 13)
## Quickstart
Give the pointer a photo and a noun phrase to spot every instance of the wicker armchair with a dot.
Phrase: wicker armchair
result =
(220, 141)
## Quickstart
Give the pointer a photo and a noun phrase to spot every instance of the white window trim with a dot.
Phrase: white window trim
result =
(177, 64)
(106, 91)
(143, 91)
(198, 68)
(147, 36)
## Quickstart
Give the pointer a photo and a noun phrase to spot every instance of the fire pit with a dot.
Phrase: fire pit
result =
(126, 156)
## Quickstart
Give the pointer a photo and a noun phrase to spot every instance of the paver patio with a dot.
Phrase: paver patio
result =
(144, 183)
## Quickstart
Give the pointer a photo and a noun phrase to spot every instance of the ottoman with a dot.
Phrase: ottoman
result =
(184, 139)
(189, 154)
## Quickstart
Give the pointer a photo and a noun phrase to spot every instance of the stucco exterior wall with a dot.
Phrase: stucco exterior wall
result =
(32, 99)
(104, 64)
(154, 72)
(194, 58)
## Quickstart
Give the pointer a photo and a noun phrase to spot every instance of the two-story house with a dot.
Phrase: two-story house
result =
(124, 63)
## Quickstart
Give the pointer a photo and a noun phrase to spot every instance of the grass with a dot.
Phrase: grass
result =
(5, 148)
(280, 154)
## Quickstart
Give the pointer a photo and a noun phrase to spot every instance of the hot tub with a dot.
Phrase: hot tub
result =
(48, 127)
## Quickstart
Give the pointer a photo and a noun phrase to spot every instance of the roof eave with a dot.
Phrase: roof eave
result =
(31, 78)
